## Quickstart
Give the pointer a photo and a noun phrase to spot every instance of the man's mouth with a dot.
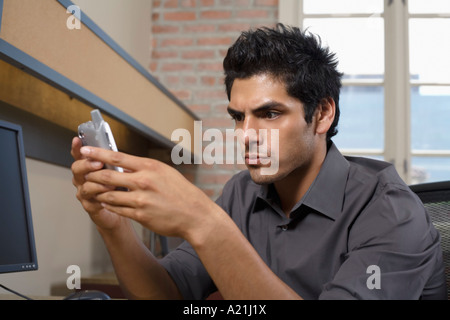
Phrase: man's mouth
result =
(255, 159)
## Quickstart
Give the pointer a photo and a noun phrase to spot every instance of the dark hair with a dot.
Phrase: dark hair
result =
(297, 58)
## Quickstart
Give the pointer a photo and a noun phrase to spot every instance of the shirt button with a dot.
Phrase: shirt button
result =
(284, 227)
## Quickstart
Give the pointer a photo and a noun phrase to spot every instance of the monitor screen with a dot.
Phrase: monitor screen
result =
(17, 245)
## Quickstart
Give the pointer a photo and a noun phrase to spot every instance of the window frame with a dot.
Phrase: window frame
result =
(417, 83)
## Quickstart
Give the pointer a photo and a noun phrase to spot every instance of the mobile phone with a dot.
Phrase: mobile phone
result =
(97, 133)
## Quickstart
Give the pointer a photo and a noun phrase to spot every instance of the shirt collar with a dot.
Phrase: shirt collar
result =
(326, 193)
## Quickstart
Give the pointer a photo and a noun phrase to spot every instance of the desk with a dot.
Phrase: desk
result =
(10, 296)
(106, 282)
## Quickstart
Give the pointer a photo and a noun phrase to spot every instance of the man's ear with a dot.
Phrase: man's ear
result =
(325, 114)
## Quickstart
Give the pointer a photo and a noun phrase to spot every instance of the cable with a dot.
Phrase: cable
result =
(16, 293)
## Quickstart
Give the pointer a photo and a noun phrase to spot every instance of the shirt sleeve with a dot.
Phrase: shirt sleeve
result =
(188, 272)
(394, 252)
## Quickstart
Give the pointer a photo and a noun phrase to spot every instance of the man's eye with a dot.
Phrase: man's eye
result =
(237, 117)
(271, 114)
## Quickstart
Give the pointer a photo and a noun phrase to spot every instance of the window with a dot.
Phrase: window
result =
(429, 49)
(395, 100)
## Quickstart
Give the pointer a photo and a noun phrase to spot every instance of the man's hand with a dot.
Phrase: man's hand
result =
(87, 191)
(158, 196)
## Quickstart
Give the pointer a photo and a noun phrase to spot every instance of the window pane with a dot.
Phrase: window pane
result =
(342, 6)
(357, 42)
(430, 118)
(361, 124)
(429, 50)
(430, 169)
(429, 6)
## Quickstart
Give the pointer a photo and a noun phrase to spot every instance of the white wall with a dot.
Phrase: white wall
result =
(127, 22)
(64, 233)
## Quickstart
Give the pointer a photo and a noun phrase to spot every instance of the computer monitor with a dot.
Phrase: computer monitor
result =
(17, 243)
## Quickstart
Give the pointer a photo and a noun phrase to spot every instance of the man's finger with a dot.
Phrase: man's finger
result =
(76, 145)
(82, 167)
(113, 178)
(114, 158)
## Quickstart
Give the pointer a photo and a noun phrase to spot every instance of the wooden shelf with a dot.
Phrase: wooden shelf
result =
(59, 75)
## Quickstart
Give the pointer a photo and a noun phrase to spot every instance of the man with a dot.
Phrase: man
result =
(321, 227)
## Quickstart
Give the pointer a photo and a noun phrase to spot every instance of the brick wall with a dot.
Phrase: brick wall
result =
(189, 41)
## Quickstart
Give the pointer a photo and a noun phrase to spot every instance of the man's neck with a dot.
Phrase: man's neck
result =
(292, 188)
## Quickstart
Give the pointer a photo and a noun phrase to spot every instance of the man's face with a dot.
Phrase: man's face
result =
(262, 102)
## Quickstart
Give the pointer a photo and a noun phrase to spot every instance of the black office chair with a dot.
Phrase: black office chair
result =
(436, 198)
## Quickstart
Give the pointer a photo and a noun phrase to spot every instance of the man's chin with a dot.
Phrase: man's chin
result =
(259, 177)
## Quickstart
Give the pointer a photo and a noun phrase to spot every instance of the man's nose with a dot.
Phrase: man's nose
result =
(250, 132)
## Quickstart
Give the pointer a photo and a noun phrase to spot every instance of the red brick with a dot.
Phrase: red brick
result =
(154, 43)
(226, 2)
(208, 80)
(269, 3)
(188, 3)
(243, 3)
(198, 54)
(170, 3)
(200, 28)
(177, 42)
(159, 54)
(165, 29)
(211, 94)
(253, 14)
(201, 108)
(238, 4)
(213, 66)
(172, 80)
(214, 41)
(153, 66)
(234, 27)
(179, 16)
(177, 67)
(215, 14)
(182, 94)
(207, 3)
(190, 80)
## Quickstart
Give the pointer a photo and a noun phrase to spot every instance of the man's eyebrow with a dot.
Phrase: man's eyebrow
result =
(232, 111)
(266, 106)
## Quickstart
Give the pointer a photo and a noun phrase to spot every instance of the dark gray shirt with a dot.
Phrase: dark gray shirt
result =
(358, 233)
